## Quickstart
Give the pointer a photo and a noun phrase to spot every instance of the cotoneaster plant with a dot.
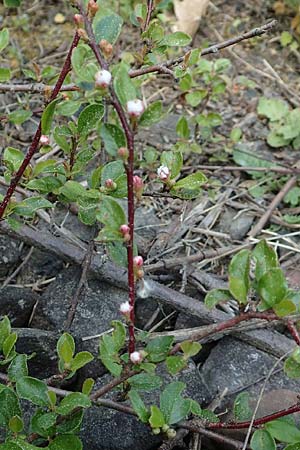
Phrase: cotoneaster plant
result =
(105, 103)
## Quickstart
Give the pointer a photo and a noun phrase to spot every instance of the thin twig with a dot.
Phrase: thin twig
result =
(275, 202)
(35, 88)
(210, 50)
(81, 286)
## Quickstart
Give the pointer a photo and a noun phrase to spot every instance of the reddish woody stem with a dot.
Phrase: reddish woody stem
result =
(150, 8)
(294, 332)
(226, 324)
(35, 143)
(129, 134)
(261, 421)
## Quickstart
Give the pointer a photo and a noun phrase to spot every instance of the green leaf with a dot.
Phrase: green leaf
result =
(73, 401)
(262, 440)
(110, 213)
(5, 330)
(293, 196)
(189, 187)
(293, 446)
(72, 191)
(66, 347)
(292, 364)
(156, 419)
(175, 364)
(13, 158)
(9, 405)
(108, 28)
(145, 382)
(16, 424)
(195, 98)
(177, 39)
(123, 85)
(139, 406)
(80, 360)
(89, 118)
(190, 348)
(65, 442)
(45, 185)
(236, 134)
(174, 161)
(152, 114)
(286, 38)
(113, 138)
(172, 405)
(239, 281)
(68, 107)
(4, 38)
(272, 288)
(34, 390)
(285, 308)
(216, 296)
(284, 430)
(29, 206)
(242, 410)
(265, 259)
(47, 117)
(19, 116)
(12, 3)
(182, 128)
(18, 368)
(9, 343)
(290, 129)
(277, 140)
(87, 386)
(243, 158)
(272, 108)
(5, 74)
(195, 408)
(158, 348)
(112, 170)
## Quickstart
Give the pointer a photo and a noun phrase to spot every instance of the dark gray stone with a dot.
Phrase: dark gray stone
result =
(9, 254)
(43, 344)
(237, 366)
(97, 307)
(17, 304)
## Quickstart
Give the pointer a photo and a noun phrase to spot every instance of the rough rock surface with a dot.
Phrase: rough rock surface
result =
(9, 254)
(17, 304)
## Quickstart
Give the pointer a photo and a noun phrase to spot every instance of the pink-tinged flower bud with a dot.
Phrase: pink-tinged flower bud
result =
(138, 261)
(124, 229)
(123, 153)
(138, 186)
(125, 309)
(139, 274)
(136, 357)
(79, 21)
(135, 108)
(106, 48)
(92, 7)
(102, 79)
(44, 140)
(83, 34)
(110, 184)
(163, 173)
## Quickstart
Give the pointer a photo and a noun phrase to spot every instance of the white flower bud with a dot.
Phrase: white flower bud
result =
(102, 78)
(44, 140)
(163, 173)
(135, 108)
(125, 308)
(136, 357)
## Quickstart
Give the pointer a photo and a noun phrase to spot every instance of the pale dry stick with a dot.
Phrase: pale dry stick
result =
(18, 269)
(292, 95)
(275, 202)
(260, 398)
(35, 88)
(275, 169)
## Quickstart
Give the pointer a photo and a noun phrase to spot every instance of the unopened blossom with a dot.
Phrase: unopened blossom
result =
(123, 153)
(138, 186)
(135, 108)
(163, 172)
(124, 229)
(93, 7)
(78, 19)
(44, 140)
(106, 48)
(138, 261)
(110, 184)
(136, 357)
(125, 308)
(102, 78)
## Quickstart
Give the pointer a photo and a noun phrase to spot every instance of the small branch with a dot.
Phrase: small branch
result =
(112, 384)
(81, 285)
(275, 202)
(275, 169)
(150, 9)
(232, 443)
(212, 49)
(227, 324)
(35, 88)
(129, 134)
(257, 422)
(35, 143)
(293, 330)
